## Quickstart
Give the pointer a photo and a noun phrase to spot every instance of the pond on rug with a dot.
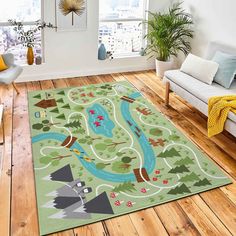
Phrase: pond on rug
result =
(103, 150)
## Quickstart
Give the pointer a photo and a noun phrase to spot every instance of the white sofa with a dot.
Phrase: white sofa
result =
(196, 92)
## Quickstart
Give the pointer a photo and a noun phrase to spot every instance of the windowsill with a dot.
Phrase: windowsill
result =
(34, 65)
(127, 56)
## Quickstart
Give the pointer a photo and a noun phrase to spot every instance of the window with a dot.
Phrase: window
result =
(120, 27)
(26, 11)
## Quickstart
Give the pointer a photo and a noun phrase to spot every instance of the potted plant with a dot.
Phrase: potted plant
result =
(168, 34)
(27, 37)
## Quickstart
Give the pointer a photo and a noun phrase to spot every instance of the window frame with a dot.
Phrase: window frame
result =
(31, 23)
(144, 29)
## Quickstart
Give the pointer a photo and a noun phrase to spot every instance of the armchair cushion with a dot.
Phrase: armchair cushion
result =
(3, 65)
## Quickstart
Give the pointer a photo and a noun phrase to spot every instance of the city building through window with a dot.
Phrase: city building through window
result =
(27, 12)
(120, 26)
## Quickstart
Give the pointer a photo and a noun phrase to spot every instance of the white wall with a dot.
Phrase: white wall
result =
(70, 54)
(215, 20)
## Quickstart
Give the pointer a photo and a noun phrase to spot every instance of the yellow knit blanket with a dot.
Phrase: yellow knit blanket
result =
(218, 110)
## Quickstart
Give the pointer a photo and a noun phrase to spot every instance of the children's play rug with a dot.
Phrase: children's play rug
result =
(103, 150)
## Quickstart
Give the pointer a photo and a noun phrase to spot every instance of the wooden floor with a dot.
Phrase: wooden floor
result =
(209, 213)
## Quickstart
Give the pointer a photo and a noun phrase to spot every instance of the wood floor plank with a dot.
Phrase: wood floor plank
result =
(64, 233)
(79, 81)
(24, 210)
(106, 78)
(121, 226)
(118, 77)
(199, 219)
(223, 208)
(59, 83)
(91, 230)
(46, 84)
(210, 214)
(6, 161)
(147, 223)
(175, 220)
(230, 191)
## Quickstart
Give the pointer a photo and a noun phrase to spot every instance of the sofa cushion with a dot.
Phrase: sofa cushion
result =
(200, 68)
(199, 89)
(227, 68)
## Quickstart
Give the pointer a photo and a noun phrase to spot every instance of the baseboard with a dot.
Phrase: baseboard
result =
(71, 74)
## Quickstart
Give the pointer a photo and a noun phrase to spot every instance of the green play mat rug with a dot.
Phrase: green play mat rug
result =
(103, 150)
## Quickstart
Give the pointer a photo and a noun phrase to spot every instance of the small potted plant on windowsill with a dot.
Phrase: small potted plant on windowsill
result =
(168, 34)
(27, 37)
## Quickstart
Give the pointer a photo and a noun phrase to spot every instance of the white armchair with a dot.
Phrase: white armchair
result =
(9, 75)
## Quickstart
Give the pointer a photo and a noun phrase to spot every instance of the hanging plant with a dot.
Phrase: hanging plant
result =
(72, 6)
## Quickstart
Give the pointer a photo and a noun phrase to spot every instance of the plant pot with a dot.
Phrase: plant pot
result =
(163, 66)
(30, 56)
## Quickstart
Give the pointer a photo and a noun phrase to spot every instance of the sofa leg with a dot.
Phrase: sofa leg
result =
(167, 97)
(15, 87)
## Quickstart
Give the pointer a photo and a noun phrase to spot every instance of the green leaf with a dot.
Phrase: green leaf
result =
(82, 140)
(101, 166)
(45, 159)
(108, 141)
(45, 129)
(45, 121)
(54, 154)
(119, 154)
(101, 146)
(156, 132)
(55, 163)
(174, 137)
(37, 126)
(111, 149)
(78, 108)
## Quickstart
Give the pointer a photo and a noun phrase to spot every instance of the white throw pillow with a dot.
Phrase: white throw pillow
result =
(199, 68)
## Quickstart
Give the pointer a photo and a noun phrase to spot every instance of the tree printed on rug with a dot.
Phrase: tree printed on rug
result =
(103, 150)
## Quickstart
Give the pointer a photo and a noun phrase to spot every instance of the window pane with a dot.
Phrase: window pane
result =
(20, 10)
(121, 37)
(113, 9)
(10, 43)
